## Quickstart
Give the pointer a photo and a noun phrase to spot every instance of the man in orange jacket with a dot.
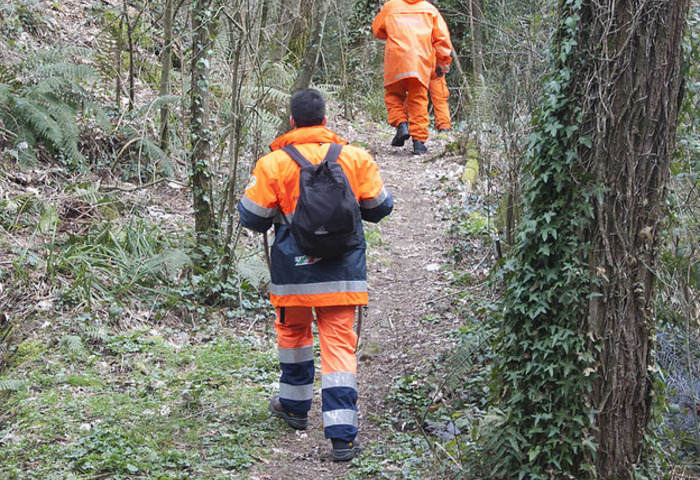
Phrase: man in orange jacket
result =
(300, 284)
(417, 43)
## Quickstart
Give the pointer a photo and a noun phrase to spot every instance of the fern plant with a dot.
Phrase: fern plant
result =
(72, 344)
(40, 101)
(10, 385)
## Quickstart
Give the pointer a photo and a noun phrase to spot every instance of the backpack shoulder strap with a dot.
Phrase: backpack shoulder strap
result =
(333, 153)
(296, 155)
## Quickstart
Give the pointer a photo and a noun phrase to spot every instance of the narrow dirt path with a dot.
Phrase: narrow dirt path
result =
(405, 283)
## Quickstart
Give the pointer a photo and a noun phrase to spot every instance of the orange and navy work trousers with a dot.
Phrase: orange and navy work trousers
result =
(439, 95)
(338, 365)
(407, 101)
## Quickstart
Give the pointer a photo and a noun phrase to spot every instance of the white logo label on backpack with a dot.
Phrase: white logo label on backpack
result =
(306, 260)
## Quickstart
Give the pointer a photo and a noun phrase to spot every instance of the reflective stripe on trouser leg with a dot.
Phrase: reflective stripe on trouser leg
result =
(417, 103)
(296, 355)
(395, 101)
(338, 368)
(339, 399)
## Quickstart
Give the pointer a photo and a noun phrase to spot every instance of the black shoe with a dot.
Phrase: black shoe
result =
(345, 451)
(401, 135)
(297, 421)
(419, 147)
(444, 130)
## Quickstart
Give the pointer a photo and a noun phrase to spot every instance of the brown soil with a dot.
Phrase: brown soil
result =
(406, 283)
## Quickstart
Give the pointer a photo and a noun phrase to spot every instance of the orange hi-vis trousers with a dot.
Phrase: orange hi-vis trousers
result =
(407, 101)
(439, 95)
(338, 365)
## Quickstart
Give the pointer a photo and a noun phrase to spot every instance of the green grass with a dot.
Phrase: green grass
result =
(141, 404)
(401, 456)
(373, 235)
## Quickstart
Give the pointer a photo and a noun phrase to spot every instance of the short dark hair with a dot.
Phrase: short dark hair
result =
(308, 108)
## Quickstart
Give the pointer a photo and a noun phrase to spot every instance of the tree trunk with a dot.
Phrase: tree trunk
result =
(165, 74)
(203, 25)
(288, 18)
(578, 293)
(118, 61)
(5, 334)
(312, 49)
(475, 20)
(264, 7)
(311, 54)
(631, 106)
(229, 203)
(132, 59)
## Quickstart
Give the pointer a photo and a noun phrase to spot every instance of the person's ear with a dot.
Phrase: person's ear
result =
(292, 122)
(323, 123)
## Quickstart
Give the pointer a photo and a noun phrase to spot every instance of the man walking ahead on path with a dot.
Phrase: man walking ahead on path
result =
(439, 95)
(415, 34)
(332, 286)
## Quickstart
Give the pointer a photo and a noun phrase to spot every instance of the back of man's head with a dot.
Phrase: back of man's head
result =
(308, 108)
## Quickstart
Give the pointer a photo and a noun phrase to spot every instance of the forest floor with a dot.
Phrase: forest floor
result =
(166, 388)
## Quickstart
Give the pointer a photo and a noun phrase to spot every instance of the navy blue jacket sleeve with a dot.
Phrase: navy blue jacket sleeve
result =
(373, 213)
(251, 220)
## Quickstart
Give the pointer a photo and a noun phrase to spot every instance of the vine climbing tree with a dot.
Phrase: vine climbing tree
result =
(575, 336)
(204, 26)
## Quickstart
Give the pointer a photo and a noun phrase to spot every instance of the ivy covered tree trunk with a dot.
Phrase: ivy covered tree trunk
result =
(203, 26)
(574, 339)
(631, 105)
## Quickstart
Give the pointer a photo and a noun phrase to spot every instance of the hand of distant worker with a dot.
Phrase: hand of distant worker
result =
(440, 71)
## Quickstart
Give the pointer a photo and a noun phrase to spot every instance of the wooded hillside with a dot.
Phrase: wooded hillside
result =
(534, 297)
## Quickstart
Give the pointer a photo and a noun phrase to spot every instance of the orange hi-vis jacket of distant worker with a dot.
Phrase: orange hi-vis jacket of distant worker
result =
(271, 197)
(415, 34)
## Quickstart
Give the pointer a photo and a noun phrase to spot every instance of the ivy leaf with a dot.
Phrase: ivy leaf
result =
(553, 127)
(533, 452)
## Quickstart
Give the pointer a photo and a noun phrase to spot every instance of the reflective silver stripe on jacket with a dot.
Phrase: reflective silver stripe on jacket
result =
(296, 355)
(258, 210)
(296, 392)
(339, 379)
(283, 219)
(323, 287)
(376, 201)
(401, 75)
(340, 417)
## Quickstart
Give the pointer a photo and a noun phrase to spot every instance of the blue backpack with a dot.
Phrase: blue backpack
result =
(326, 220)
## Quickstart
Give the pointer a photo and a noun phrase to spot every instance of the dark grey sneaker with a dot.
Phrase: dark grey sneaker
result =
(295, 420)
(419, 147)
(401, 135)
(345, 451)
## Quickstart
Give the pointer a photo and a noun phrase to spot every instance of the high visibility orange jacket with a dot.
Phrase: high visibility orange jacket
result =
(415, 32)
(271, 197)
